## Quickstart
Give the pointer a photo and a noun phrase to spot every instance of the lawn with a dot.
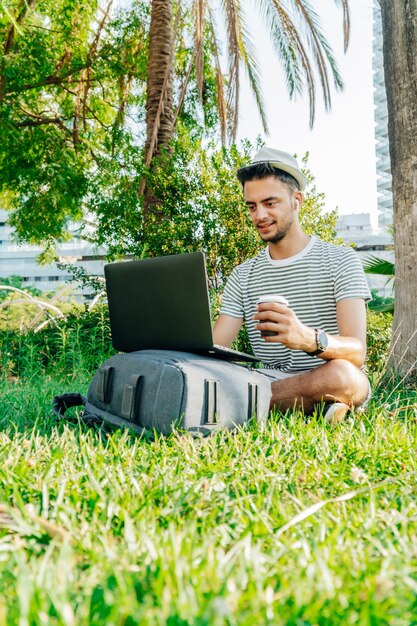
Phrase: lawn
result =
(290, 522)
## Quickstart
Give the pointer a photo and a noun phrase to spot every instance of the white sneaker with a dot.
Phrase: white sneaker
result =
(335, 412)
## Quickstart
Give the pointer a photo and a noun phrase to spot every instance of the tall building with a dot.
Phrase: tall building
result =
(21, 260)
(383, 164)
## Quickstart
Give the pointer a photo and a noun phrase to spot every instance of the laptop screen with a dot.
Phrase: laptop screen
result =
(159, 303)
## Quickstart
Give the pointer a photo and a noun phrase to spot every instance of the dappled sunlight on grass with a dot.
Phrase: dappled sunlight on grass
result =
(291, 521)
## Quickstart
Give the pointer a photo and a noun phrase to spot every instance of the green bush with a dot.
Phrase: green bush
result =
(378, 340)
(77, 344)
(82, 341)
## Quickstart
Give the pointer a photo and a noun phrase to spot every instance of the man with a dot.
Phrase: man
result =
(319, 343)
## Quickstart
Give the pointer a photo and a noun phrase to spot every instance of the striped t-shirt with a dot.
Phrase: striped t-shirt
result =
(312, 281)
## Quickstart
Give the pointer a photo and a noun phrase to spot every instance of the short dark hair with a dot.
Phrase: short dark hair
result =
(257, 171)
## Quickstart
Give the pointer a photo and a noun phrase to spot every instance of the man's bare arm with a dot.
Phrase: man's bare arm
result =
(350, 344)
(226, 330)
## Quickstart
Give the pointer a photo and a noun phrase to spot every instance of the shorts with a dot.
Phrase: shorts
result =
(275, 375)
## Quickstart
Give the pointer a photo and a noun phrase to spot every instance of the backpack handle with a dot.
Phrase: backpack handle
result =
(61, 404)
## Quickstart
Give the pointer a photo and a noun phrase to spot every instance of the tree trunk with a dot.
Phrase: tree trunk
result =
(399, 27)
(159, 104)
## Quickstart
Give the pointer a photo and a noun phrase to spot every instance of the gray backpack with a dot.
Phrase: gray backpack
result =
(163, 389)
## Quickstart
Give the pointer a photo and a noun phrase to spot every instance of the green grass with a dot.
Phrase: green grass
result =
(103, 527)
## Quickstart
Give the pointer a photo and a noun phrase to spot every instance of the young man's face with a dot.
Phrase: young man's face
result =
(272, 207)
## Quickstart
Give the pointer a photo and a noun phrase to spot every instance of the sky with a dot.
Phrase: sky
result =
(341, 144)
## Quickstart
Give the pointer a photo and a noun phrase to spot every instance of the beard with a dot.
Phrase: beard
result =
(280, 233)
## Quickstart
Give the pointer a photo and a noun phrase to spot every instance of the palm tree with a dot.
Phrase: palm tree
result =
(159, 103)
(399, 28)
(298, 42)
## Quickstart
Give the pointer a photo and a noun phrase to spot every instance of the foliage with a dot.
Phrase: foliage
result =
(297, 42)
(379, 332)
(314, 219)
(72, 109)
(82, 341)
(375, 265)
(379, 303)
(16, 281)
(62, 101)
(72, 104)
(78, 343)
(381, 267)
(78, 274)
(30, 308)
(202, 208)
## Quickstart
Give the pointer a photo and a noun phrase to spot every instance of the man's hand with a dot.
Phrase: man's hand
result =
(290, 331)
(350, 344)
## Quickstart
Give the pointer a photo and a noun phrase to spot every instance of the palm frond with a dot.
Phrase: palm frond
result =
(312, 20)
(282, 34)
(221, 100)
(298, 37)
(198, 45)
(231, 8)
(221, 105)
(389, 229)
(382, 267)
(346, 21)
(183, 89)
(248, 56)
(320, 49)
(287, 37)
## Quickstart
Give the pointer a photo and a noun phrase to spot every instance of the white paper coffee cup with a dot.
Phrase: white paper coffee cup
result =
(271, 298)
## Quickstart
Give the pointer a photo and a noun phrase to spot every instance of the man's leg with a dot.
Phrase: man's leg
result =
(334, 381)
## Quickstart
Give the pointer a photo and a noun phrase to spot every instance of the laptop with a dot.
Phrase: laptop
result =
(163, 303)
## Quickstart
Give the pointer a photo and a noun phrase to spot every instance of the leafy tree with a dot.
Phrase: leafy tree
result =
(378, 338)
(67, 88)
(204, 208)
(77, 103)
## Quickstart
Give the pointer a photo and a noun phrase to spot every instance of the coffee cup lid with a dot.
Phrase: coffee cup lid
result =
(273, 298)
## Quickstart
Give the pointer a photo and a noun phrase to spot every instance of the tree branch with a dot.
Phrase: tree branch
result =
(53, 79)
(42, 121)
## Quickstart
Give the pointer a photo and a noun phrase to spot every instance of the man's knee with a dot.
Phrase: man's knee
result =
(347, 380)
